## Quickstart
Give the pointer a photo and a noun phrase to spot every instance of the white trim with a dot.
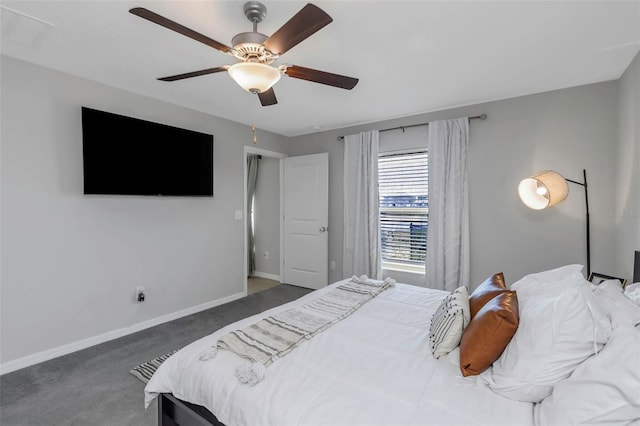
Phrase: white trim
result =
(281, 220)
(260, 151)
(418, 150)
(267, 276)
(39, 357)
(400, 267)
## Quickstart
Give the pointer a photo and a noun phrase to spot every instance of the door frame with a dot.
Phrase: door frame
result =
(272, 154)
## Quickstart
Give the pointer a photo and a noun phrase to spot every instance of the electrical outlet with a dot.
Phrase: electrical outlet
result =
(140, 293)
(266, 254)
(332, 265)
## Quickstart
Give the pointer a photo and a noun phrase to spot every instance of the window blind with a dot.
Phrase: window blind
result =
(404, 209)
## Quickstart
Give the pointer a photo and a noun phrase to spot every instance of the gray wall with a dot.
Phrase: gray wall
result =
(626, 213)
(565, 130)
(70, 263)
(267, 217)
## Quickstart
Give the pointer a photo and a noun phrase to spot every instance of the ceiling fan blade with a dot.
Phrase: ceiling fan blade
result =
(306, 22)
(268, 97)
(321, 77)
(194, 73)
(174, 26)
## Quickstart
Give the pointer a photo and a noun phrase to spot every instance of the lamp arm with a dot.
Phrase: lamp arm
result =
(586, 201)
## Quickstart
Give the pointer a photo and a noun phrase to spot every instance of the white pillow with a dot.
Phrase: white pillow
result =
(561, 325)
(602, 390)
(448, 322)
(552, 282)
(556, 274)
(632, 291)
(612, 299)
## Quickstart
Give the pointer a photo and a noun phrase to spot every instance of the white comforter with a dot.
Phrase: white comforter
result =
(372, 368)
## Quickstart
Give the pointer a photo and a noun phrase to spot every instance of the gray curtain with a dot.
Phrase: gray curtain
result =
(361, 243)
(447, 266)
(252, 179)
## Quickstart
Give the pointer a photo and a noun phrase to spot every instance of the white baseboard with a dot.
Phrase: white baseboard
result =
(267, 276)
(39, 357)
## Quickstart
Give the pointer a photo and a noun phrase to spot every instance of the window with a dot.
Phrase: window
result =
(404, 210)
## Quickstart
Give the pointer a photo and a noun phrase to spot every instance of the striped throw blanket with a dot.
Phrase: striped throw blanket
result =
(273, 337)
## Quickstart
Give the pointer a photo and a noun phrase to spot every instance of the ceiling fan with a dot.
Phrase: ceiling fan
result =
(256, 52)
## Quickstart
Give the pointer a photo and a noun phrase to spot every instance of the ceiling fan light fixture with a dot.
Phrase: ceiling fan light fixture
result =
(254, 77)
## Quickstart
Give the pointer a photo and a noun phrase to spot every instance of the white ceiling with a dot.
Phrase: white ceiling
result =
(410, 57)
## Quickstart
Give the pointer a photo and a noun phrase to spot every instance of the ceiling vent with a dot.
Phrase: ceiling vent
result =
(22, 29)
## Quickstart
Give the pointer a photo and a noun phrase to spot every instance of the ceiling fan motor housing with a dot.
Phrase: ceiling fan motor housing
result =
(249, 47)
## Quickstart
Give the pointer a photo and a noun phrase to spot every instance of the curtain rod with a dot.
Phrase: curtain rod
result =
(475, 117)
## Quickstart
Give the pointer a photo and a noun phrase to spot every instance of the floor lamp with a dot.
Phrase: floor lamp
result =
(549, 188)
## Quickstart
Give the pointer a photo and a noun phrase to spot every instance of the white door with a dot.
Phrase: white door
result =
(306, 214)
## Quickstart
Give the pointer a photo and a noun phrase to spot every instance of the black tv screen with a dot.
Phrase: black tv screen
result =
(128, 156)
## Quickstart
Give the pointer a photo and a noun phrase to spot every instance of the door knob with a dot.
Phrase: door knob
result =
(323, 229)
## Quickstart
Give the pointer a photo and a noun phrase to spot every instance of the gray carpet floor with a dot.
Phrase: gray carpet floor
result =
(93, 386)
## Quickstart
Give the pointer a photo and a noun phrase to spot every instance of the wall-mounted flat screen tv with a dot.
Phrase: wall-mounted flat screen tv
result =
(128, 156)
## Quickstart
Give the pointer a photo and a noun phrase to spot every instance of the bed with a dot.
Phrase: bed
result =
(374, 367)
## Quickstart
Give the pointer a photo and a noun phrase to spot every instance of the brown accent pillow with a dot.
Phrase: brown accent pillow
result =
(490, 288)
(489, 333)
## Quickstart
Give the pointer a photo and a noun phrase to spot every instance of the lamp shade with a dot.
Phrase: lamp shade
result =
(543, 190)
(254, 77)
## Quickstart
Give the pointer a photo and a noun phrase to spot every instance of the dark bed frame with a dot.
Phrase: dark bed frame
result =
(175, 412)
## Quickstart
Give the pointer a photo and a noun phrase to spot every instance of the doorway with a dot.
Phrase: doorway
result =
(263, 212)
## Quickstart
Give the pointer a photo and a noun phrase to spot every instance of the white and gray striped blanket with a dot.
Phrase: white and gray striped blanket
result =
(275, 336)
